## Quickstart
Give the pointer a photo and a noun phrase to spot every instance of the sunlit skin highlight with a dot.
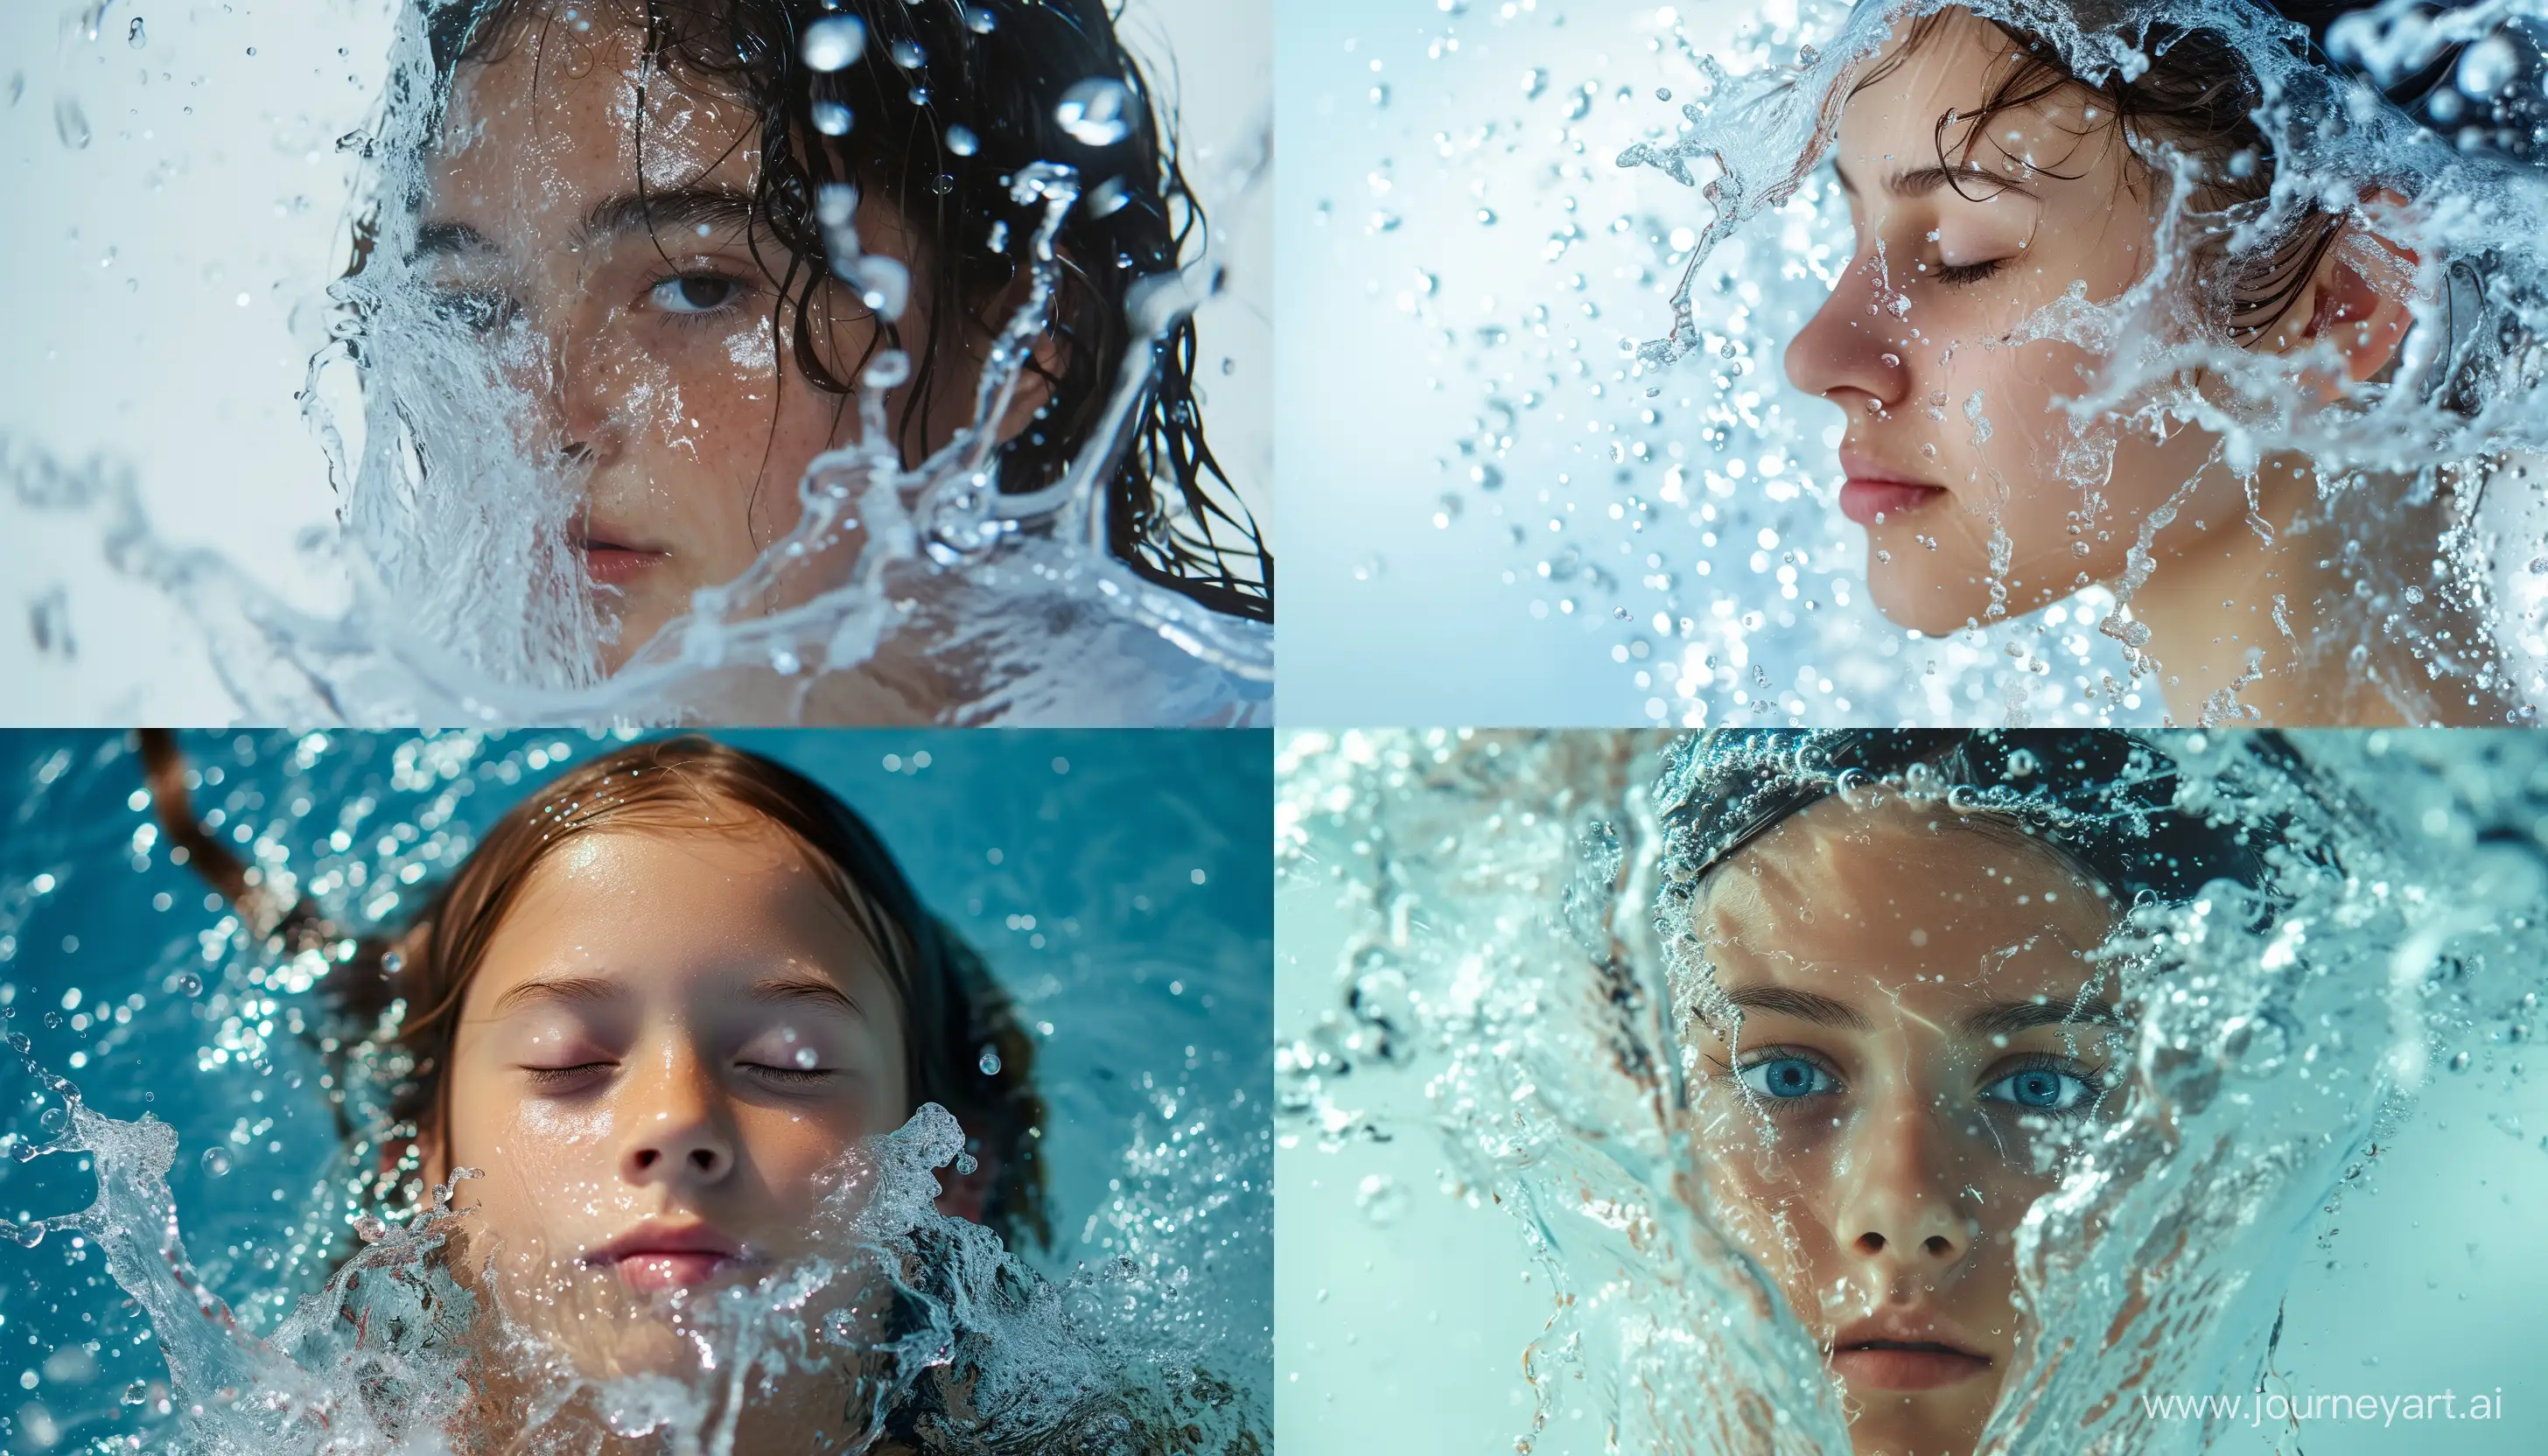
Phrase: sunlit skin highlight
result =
(1919, 1028)
(1947, 263)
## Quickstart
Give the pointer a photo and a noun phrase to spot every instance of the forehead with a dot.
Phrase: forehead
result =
(1950, 66)
(553, 118)
(741, 893)
(1896, 895)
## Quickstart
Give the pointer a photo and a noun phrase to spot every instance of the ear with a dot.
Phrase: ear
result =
(2356, 300)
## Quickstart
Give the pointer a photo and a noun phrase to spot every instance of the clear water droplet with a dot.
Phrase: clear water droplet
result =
(1096, 112)
(71, 124)
(832, 43)
(961, 141)
(832, 119)
(217, 1162)
(1382, 1198)
(990, 1063)
(189, 983)
(908, 55)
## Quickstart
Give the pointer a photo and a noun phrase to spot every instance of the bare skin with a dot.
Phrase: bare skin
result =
(1948, 263)
(672, 1043)
(652, 339)
(1918, 1028)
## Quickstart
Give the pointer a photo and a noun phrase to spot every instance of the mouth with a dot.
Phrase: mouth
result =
(1869, 502)
(611, 562)
(652, 1257)
(1906, 1364)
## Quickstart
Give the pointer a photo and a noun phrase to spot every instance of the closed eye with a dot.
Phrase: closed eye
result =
(558, 1077)
(793, 1075)
(1959, 273)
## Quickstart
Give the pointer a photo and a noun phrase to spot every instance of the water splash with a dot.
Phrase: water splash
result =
(1665, 482)
(902, 593)
(1513, 942)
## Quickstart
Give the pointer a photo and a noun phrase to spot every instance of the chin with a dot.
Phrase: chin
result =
(1930, 603)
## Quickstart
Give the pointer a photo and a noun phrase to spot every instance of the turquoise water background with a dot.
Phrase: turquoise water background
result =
(1119, 884)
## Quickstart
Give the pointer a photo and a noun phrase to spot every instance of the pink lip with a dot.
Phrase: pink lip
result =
(610, 564)
(1869, 503)
(654, 1256)
(1896, 1353)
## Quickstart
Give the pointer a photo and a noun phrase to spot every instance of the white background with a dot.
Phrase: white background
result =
(211, 174)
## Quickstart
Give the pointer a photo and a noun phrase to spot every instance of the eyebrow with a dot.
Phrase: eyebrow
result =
(2008, 1017)
(629, 212)
(1921, 181)
(568, 990)
(781, 989)
(676, 208)
(1803, 1005)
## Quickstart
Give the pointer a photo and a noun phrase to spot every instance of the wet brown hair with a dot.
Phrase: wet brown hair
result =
(2200, 95)
(410, 986)
(998, 70)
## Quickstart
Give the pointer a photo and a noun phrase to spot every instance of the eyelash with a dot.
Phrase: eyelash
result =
(799, 1077)
(549, 1076)
(1963, 273)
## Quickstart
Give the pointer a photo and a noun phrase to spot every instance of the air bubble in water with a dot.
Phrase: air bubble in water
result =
(961, 141)
(832, 119)
(1096, 112)
(71, 124)
(189, 983)
(136, 1393)
(217, 1162)
(1382, 1200)
(2484, 69)
(990, 1063)
(832, 44)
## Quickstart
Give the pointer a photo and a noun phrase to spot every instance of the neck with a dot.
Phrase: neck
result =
(2250, 625)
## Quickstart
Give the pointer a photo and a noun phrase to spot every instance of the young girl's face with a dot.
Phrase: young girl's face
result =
(1919, 1030)
(672, 1038)
(1953, 453)
(592, 216)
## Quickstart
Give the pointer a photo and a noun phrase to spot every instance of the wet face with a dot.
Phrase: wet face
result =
(1965, 476)
(674, 1038)
(601, 233)
(1919, 1034)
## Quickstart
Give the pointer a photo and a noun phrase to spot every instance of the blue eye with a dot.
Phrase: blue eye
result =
(696, 293)
(1785, 1077)
(2041, 1089)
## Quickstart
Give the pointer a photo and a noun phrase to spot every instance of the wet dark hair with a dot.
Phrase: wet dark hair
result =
(395, 998)
(2199, 94)
(2099, 802)
(997, 69)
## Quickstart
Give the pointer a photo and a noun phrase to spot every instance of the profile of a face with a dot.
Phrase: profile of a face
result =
(591, 214)
(1981, 496)
(1905, 1031)
(662, 1067)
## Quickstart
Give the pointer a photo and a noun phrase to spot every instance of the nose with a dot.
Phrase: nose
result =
(679, 1132)
(1842, 353)
(1899, 1211)
(582, 393)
